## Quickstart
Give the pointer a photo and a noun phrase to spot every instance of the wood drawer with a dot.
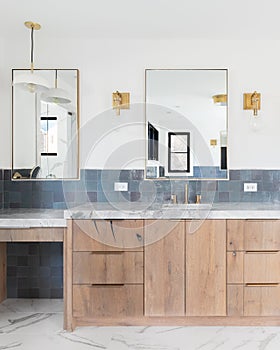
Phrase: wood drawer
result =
(262, 235)
(109, 267)
(108, 301)
(108, 235)
(262, 267)
(262, 300)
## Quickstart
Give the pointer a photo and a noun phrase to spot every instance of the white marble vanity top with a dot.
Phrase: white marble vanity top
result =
(175, 211)
(25, 218)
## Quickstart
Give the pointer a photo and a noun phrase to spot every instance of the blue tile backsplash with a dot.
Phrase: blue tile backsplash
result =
(98, 186)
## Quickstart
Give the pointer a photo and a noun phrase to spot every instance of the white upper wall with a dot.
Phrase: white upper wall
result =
(110, 65)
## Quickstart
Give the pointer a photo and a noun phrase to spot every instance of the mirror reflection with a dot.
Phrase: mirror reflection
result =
(186, 123)
(45, 126)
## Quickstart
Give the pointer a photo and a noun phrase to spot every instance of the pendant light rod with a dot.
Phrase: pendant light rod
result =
(33, 26)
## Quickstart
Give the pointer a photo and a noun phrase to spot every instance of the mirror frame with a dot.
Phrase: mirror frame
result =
(186, 178)
(13, 169)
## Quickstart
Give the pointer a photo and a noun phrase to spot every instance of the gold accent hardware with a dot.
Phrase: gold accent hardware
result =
(174, 199)
(17, 175)
(30, 25)
(252, 101)
(220, 99)
(198, 199)
(121, 100)
(213, 142)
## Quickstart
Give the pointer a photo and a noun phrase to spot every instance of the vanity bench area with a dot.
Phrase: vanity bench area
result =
(27, 225)
(173, 266)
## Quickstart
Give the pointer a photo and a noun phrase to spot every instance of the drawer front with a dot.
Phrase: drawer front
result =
(262, 267)
(109, 267)
(108, 235)
(262, 235)
(108, 301)
(235, 267)
(262, 300)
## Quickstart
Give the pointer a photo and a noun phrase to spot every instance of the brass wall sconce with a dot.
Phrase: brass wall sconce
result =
(252, 101)
(121, 100)
(220, 100)
(213, 142)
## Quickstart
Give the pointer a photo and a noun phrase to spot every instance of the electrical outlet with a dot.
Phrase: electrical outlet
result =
(250, 187)
(120, 186)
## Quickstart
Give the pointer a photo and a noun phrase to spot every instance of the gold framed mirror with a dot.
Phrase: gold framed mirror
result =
(45, 125)
(186, 124)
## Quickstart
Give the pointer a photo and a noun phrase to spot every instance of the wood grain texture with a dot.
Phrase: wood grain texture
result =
(36, 234)
(164, 269)
(206, 269)
(108, 267)
(108, 235)
(261, 300)
(262, 235)
(235, 300)
(67, 276)
(3, 271)
(262, 267)
(108, 301)
(235, 235)
(235, 267)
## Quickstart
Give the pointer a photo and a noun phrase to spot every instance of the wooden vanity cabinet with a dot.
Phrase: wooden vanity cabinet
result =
(206, 268)
(181, 272)
(164, 268)
(107, 278)
(253, 267)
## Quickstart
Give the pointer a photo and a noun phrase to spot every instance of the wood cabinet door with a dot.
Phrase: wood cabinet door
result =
(206, 269)
(164, 268)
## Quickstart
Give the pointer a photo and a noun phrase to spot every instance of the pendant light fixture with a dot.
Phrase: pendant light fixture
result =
(31, 81)
(56, 95)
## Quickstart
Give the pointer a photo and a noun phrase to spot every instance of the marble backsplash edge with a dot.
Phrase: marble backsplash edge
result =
(98, 186)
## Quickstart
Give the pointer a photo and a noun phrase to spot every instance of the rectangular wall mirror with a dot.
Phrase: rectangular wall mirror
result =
(186, 123)
(46, 125)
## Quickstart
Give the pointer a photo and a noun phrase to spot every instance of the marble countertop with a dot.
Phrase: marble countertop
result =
(175, 211)
(25, 218)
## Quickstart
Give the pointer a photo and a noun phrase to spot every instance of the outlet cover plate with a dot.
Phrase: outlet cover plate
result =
(121, 186)
(250, 187)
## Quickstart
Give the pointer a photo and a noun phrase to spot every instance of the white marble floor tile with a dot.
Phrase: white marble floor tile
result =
(37, 324)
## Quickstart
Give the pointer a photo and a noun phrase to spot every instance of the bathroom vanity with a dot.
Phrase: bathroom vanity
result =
(216, 269)
(164, 266)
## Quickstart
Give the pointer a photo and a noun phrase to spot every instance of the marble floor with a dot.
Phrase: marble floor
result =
(27, 324)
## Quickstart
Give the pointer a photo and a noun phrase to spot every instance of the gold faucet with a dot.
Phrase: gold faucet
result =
(173, 199)
(186, 194)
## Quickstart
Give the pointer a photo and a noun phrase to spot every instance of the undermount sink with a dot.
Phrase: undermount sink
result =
(189, 206)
